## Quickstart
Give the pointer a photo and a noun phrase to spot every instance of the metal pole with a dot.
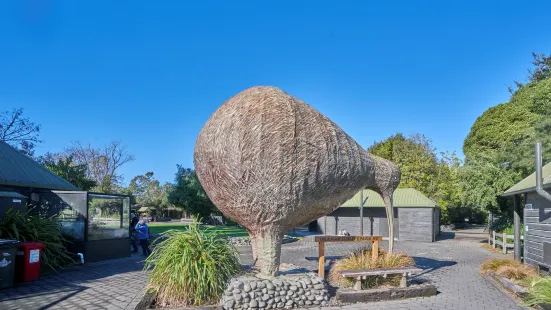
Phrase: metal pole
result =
(516, 200)
(362, 212)
(539, 180)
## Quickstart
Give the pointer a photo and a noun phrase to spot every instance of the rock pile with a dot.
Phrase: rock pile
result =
(255, 293)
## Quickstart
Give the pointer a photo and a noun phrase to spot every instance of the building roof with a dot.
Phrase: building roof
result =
(529, 183)
(12, 195)
(403, 198)
(146, 209)
(17, 169)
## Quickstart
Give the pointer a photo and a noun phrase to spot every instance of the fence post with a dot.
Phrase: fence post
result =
(504, 243)
(493, 239)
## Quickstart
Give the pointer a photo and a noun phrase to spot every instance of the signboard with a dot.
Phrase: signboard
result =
(528, 206)
(347, 238)
(321, 250)
(17, 201)
(34, 256)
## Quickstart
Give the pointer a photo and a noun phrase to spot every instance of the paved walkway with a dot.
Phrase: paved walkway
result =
(451, 264)
(114, 285)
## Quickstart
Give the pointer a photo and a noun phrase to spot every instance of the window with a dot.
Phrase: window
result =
(108, 217)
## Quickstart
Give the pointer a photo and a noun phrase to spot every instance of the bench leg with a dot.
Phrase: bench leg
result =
(358, 284)
(404, 280)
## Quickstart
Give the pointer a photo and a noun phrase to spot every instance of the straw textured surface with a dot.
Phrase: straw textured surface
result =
(271, 162)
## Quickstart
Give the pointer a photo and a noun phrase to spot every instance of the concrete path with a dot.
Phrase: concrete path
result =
(452, 264)
(114, 284)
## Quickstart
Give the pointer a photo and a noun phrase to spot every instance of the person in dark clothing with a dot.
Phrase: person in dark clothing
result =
(143, 235)
(134, 233)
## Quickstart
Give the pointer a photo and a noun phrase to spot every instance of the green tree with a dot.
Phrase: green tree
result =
(507, 126)
(436, 176)
(66, 168)
(499, 149)
(483, 180)
(421, 168)
(148, 192)
(188, 194)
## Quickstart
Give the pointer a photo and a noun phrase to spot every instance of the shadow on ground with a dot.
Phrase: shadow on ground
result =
(429, 265)
(55, 288)
(446, 235)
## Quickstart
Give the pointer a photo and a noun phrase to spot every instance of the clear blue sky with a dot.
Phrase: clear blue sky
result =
(151, 74)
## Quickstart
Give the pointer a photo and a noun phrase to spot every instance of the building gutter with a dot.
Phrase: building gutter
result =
(539, 179)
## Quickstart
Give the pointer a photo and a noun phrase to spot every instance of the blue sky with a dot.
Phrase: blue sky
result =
(151, 73)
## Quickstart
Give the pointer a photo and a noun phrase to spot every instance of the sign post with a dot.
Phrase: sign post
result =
(322, 239)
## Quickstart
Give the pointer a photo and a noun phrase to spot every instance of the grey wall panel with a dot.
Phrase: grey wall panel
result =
(533, 244)
(349, 220)
(419, 223)
(537, 232)
(383, 224)
(435, 223)
(416, 224)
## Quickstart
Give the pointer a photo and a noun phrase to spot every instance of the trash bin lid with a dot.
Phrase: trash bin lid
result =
(6, 243)
(32, 245)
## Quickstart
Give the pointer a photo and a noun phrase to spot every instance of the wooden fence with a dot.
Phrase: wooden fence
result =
(507, 241)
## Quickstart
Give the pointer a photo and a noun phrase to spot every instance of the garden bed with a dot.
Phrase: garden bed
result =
(509, 285)
(387, 293)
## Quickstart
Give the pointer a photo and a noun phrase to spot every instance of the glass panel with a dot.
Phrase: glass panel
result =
(108, 217)
(126, 213)
(70, 209)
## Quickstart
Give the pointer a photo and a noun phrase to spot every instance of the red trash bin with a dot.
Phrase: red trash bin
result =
(28, 261)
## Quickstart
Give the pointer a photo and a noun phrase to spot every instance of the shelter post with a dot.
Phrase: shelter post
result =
(516, 200)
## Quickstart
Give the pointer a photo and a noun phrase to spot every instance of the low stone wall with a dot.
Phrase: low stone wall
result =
(278, 293)
(389, 293)
(246, 241)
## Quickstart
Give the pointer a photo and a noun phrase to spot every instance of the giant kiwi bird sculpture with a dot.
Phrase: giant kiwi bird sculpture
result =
(271, 162)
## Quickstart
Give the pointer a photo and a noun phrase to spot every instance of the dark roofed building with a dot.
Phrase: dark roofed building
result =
(97, 223)
(22, 178)
(417, 218)
(537, 218)
(18, 171)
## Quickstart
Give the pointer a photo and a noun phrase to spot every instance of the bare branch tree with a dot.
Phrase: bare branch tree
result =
(103, 163)
(19, 131)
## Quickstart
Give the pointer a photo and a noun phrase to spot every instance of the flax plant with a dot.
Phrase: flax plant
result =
(191, 267)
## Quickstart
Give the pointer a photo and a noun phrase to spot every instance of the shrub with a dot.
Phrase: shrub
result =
(492, 264)
(539, 291)
(191, 267)
(510, 230)
(362, 260)
(501, 223)
(509, 269)
(516, 272)
(28, 227)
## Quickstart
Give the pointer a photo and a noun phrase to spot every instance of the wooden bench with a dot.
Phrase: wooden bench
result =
(362, 274)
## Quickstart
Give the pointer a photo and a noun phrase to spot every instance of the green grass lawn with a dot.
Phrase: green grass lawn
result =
(226, 231)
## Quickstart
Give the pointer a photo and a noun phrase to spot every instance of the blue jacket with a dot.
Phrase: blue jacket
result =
(143, 231)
